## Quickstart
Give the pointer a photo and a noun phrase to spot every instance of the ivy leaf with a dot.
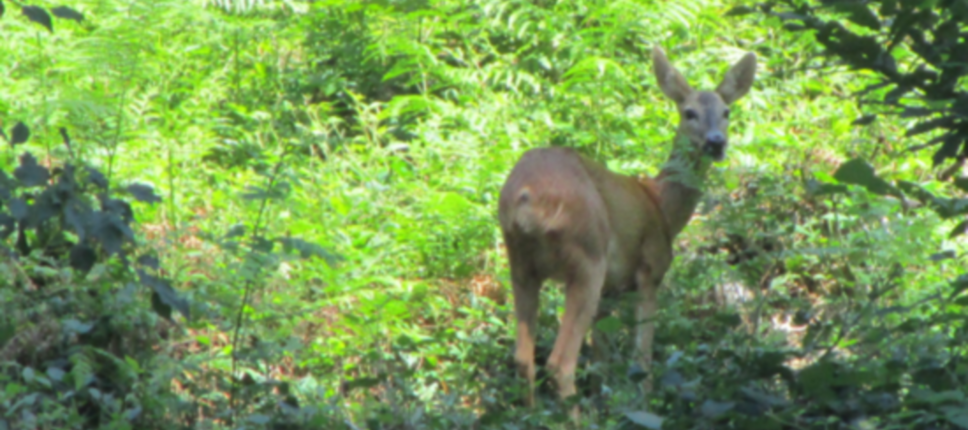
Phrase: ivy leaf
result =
(149, 261)
(915, 112)
(38, 15)
(308, 249)
(7, 185)
(96, 178)
(118, 207)
(166, 294)
(111, 232)
(82, 257)
(864, 120)
(959, 230)
(66, 137)
(29, 173)
(8, 225)
(713, 409)
(159, 306)
(949, 149)
(67, 13)
(943, 255)
(235, 231)
(76, 215)
(858, 172)
(962, 183)
(740, 11)
(645, 419)
(929, 125)
(19, 134)
(18, 209)
(609, 324)
(143, 193)
(860, 14)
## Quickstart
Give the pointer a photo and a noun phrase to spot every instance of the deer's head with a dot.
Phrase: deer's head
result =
(704, 115)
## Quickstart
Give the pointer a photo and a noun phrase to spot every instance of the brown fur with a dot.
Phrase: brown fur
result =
(570, 219)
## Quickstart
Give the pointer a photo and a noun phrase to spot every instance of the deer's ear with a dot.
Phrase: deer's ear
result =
(671, 82)
(738, 79)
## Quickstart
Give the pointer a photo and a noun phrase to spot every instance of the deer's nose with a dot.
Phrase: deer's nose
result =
(715, 139)
(715, 144)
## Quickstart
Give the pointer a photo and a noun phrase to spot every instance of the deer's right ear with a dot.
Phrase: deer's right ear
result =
(671, 82)
(738, 79)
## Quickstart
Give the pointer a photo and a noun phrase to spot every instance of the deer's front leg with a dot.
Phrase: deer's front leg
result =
(648, 278)
(645, 326)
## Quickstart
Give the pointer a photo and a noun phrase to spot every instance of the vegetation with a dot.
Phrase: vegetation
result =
(270, 214)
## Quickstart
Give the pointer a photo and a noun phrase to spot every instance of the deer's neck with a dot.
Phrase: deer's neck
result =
(680, 184)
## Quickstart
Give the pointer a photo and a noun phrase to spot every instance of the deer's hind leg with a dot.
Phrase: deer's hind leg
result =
(526, 285)
(584, 279)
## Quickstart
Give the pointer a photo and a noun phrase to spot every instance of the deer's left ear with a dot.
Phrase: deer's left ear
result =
(671, 82)
(738, 79)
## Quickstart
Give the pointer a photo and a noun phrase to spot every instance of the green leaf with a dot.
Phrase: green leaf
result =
(609, 324)
(959, 285)
(949, 149)
(864, 120)
(740, 10)
(19, 134)
(159, 306)
(82, 258)
(943, 255)
(67, 13)
(817, 188)
(38, 15)
(149, 260)
(18, 209)
(143, 193)
(817, 379)
(959, 230)
(713, 409)
(962, 183)
(645, 419)
(929, 125)
(165, 294)
(859, 13)
(56, 373)
(29, 173)
(308, 249)
(7, 331)
(957, 415)
(858, 172)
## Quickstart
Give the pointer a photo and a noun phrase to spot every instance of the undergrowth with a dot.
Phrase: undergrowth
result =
(283, 215)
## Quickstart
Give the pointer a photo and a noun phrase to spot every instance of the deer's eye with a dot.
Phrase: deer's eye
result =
(691, 114)
(726, 114)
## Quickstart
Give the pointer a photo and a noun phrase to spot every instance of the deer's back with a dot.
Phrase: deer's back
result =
(556, 203)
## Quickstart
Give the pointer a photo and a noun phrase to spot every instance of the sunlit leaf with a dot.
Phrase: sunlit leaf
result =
(609, 324)
(858, 172)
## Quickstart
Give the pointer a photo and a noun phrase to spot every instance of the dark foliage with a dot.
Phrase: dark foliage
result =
(880, 36)
(69, 215)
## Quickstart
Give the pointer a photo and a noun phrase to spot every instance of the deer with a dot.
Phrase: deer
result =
(567, 218)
